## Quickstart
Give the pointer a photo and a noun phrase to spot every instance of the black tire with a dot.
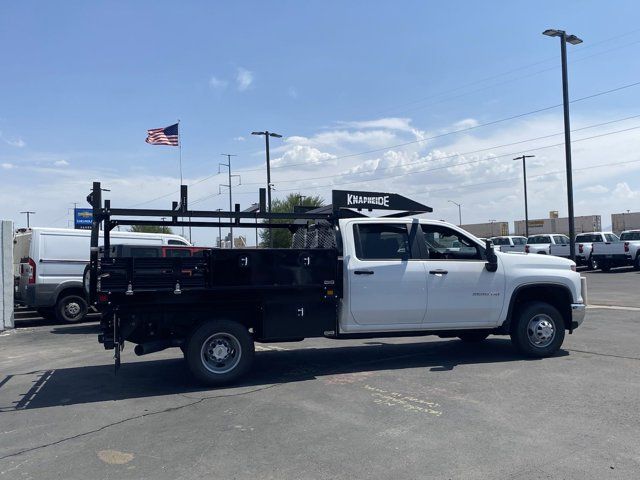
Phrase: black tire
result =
(47, 313)
(71, 308)
(541, 323)
(473, 336)
(592, 263)
(636, 263)
(604, 267)
(232, 339)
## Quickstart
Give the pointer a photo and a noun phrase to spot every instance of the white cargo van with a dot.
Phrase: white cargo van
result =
(51, 265)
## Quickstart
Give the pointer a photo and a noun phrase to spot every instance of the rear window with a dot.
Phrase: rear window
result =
(382, 241)
(560, 239)
(539, 239)
(630, 236)
(519, 240)
(500, 241)
(589, 237)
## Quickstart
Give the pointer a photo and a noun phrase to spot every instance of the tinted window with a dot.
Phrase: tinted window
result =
(177, 252)
(500, 241)
(610, 237)
(589, 237)
(382, 241)
(630, 236)
(176, 242)
(444, 243)
(519, 240)
(539, 239)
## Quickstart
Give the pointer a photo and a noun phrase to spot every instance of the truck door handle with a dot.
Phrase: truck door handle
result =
(438, 272)
(363, 272)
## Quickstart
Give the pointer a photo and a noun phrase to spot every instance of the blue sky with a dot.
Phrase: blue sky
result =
(82, 81)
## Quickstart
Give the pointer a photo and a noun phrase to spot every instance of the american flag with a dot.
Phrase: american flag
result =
(163, 136)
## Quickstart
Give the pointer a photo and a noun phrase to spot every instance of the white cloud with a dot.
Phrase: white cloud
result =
(244, 79)
(466, 123)
(217, 83)
(13, 142)
(61, 163)
(239, 138)
(301, 155)
(7, 166)
(623, 191)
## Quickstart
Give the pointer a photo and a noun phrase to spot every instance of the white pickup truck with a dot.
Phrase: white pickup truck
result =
(360, 277)
(620, 253)
(542, 243)
(509, 243)
(584, 247)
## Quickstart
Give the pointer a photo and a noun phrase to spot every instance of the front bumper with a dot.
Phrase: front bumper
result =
(578, 312)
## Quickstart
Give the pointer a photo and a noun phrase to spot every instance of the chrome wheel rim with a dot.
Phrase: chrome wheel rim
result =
(72, 309)
(541, 331)
(220, 353)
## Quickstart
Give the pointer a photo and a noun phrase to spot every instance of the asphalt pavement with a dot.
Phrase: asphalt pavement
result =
(325, 409)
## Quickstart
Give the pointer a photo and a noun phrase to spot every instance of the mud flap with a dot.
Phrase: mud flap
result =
(118, 343)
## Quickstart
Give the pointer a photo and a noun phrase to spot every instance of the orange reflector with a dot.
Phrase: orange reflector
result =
(330, 293)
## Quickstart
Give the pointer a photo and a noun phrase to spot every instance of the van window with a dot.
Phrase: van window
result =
(385, 241)
(176, 242)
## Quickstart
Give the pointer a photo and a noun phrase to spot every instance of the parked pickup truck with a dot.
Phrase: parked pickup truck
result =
(395, 275)
(584, 242)
(620, 253)
(509, 243)
(542, 243)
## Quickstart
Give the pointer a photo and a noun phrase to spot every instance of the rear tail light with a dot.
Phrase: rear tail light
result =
(626, 247)
(581, 248)
(526, 249)
(32, 272)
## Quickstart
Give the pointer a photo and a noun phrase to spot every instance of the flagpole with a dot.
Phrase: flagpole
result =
(180, 163)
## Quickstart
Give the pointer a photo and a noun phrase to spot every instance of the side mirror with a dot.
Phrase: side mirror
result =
(492, 258)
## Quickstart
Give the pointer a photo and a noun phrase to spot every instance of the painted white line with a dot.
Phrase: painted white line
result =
(615, 307)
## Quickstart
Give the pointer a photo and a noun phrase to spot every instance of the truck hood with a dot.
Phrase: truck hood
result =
(535, 261)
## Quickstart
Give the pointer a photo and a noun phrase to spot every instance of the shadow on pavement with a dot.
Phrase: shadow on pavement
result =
(87, 384)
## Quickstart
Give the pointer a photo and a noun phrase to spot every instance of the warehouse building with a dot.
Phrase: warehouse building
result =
(625, 221)
(487, 230)
(555, 224)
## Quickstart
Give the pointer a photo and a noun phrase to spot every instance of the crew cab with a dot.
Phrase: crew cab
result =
(353, 276)
(624, 252)
(542, 243)
(509, 243)
(584, 247)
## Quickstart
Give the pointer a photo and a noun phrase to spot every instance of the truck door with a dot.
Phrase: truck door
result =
(387, 281)
(462, 292)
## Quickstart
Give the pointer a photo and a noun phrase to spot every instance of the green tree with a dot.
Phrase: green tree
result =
(282, 236)
(150, 229)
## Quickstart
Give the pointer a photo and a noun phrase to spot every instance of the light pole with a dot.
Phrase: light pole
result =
(459, 205)
(28, 213)
(526, 208)
(268, 134)
(228, 165)
(573, 40)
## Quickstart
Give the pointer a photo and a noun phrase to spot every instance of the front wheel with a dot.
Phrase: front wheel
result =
(219, 352)
(539, 330)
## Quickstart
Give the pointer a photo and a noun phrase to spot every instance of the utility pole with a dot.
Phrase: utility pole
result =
(526, 208)
(573, 40)
(268, 134)
(28, 213)
(459, 211)
(230, 186)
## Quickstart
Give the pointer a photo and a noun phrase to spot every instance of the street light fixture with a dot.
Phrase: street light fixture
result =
(573, 40)
(459, 205)
(526, 208)
(268, 134)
